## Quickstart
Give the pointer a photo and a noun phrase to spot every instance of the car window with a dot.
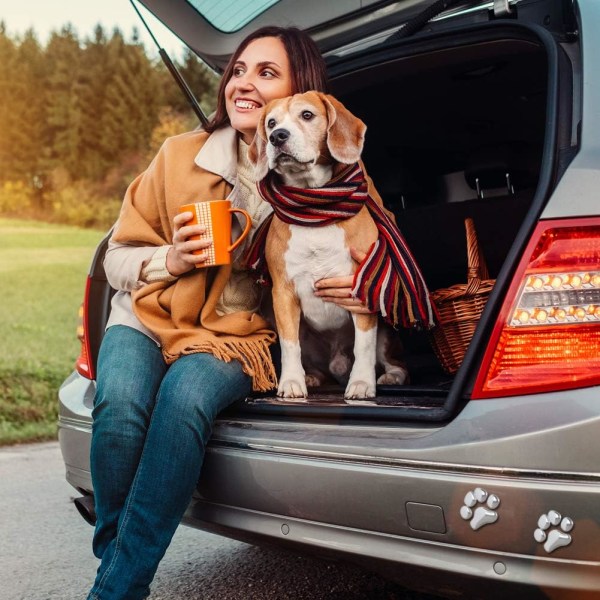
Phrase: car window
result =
(230, 15)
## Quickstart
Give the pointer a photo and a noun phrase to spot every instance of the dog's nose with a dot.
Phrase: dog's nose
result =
(279, 137)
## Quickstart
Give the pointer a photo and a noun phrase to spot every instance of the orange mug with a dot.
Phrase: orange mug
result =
(216, 216)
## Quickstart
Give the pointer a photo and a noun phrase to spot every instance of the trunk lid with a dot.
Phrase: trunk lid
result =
(214, 29)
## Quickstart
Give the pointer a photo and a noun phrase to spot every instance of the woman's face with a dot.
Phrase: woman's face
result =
(260, 74)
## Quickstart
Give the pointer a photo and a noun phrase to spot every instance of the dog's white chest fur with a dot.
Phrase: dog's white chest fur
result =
(315, 253)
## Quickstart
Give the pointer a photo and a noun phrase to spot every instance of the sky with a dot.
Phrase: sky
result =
(47, 15)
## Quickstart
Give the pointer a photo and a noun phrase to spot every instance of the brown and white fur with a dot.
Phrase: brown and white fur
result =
(305, 138)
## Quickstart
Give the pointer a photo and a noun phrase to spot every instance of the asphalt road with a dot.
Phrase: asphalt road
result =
(45, 551)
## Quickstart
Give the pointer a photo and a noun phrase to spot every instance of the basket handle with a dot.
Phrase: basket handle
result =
(477, 269)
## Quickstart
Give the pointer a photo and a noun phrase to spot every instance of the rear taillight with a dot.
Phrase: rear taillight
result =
(83, 364)
(547, 336)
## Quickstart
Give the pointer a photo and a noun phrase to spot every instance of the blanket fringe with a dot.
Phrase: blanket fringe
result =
(253, 355)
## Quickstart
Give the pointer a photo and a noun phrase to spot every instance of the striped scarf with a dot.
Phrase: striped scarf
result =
(388, 280)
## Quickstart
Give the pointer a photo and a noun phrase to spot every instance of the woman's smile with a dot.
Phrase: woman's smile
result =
(242, 104)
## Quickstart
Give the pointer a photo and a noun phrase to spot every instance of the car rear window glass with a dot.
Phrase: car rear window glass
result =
(230, 15)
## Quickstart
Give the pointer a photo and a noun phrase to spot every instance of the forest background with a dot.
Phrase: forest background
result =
(80, 118)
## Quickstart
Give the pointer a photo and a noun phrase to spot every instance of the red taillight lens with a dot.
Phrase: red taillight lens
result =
(83, 364)
(547, 336)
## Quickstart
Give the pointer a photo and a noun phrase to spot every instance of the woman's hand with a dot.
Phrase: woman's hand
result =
(180, 259)
(339, 289)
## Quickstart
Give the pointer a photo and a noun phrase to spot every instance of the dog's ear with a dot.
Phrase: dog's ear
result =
(345, 132)
(257, 151)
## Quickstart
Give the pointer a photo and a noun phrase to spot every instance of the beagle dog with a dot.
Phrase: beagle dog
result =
(306, 139)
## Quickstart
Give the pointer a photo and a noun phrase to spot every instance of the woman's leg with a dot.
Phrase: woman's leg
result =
(194, 390)
(130, 371)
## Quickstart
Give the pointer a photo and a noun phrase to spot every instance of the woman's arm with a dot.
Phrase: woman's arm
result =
(129, 267)
(123, 265)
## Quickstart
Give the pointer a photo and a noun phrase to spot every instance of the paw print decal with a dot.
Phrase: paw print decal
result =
(553, 531)
(485, 513)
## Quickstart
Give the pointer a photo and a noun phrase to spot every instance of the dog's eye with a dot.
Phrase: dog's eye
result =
(271, 123)
(307, 115)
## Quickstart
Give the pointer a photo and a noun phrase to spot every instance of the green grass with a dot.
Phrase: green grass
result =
(43, 269)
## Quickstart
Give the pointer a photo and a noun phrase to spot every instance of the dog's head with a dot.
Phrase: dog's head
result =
(302, 136)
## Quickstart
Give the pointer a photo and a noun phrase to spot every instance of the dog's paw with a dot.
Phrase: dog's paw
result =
(292, 388)
(313, 380)
(358, 390)
(395, 376)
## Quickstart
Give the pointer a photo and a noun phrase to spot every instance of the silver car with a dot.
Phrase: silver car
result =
(484, 476)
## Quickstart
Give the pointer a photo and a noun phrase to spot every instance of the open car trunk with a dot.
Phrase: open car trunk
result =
(465, 123)
(458, 126)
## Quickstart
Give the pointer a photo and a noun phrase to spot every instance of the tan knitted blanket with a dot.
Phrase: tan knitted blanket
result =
(182, 313)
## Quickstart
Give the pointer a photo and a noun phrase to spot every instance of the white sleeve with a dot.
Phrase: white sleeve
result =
(128, 267)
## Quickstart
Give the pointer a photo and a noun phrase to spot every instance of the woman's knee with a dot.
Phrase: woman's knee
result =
(181, 405)
(130, 370)
(198, 386)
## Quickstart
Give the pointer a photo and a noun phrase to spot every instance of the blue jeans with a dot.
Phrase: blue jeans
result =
(151, 426)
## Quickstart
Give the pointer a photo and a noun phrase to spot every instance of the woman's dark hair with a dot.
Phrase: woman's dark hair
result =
(308, 69)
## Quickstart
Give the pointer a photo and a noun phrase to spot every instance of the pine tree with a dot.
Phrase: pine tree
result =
(93, 83)
(64, 115)
(9, 104)
(202, 81)
(28, 123)
(84, 115)
(131, 101)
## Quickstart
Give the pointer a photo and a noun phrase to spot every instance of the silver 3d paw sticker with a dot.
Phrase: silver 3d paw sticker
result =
(480, 508)
(553, 531)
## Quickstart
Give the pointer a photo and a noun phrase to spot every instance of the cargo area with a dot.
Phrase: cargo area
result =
(456, 129)
(454, 132)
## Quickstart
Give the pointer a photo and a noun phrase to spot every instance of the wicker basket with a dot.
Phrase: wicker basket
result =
(460, 306)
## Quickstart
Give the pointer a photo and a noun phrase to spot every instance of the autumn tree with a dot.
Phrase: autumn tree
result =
(63, 124)
(29, 119)
(9, 103)
(80, 118)
(201, 80)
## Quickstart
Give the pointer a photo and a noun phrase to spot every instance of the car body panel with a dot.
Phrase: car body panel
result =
(577, 192)
(505, 434)
(519, 434)
(405, 501)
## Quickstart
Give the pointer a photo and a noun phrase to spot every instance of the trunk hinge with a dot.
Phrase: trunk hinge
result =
(502, 9)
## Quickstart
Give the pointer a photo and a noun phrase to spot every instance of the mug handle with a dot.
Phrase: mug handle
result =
(244, 233)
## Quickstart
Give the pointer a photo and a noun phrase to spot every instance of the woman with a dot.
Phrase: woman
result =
(183, 343)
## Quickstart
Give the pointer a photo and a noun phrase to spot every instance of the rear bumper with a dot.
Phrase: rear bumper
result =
(272, 481)
(418, 502)
(76, 397)
(419, 564)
